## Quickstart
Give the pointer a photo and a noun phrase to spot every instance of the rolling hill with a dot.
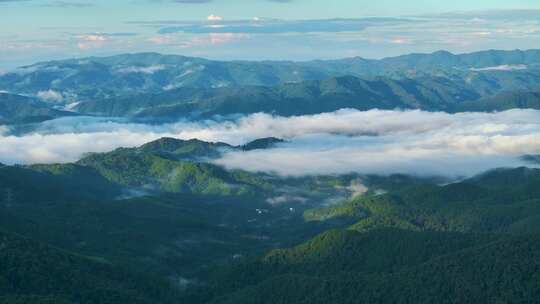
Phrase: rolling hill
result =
(404, 240)
(289, 99)
(32, 272)
(504, 101)
(20, 109)
(502, 201)
(392, 266)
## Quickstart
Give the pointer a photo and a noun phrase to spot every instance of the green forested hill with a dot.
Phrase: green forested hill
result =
(159, 209)
(475, 241)
(485, 270)
(31, 272)
(192, 149)
(504, 101)
(289, 99)
(478, 92)
(498, 201)
(151, 172)
(53, 182)
(176, 229)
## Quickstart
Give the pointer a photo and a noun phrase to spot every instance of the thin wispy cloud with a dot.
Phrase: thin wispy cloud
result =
(273, 26)
(261, 38)
(68, 4)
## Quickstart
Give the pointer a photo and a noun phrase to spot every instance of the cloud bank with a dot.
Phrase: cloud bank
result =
(370, 142)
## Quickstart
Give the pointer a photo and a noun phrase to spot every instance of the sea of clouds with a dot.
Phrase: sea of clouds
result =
(368, 142)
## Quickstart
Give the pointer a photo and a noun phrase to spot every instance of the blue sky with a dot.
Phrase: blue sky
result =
(34, 30)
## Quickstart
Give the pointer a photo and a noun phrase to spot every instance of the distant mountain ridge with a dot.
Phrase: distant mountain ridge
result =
(20, 109)
(102, 77)
(163, 87)
(319, 96)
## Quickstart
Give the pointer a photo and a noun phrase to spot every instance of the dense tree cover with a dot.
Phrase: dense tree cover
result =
(185, 149)
(392, 266)
(150, 171)
(409, 262)
(73, 206)
(174, 235)
(405, 240)
(498, 201)
(31, 272)
(261, 143)
(48, 182)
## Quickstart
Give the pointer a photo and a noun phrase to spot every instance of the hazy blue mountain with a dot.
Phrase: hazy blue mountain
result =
(153, 86)
(535, 159)
(90, 78)
(504, 101)
(443, 60)
(21, 109)
(128, 74)
(308, 97)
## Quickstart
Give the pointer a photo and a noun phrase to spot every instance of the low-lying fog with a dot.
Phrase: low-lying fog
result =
(375, 141)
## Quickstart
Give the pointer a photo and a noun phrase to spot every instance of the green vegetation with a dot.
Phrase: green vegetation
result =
(262, 143)
(156, 224)
(499, 201)
(190, 149)
(393, 266)
(476, 241)
(151, 172)
(31, 272)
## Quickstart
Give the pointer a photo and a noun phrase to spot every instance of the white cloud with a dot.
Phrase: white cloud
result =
(332, 143)
(50, 96)
(285, 199)
(91, 41)
(213, 17)
(388, 142)
(71, 106)
(53, 148)
(144, 70)
(3, 130)
(93, 37)
(504, 67)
